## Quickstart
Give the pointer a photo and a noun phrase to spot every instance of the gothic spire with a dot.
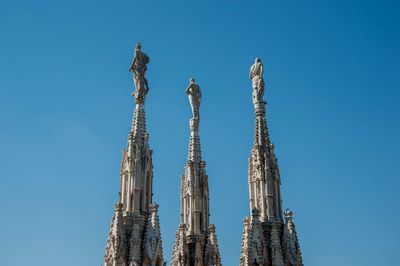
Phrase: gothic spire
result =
(264, 180)
(152, 238)
(195, 187)
(136, 219)
(138, 67)
(116, 248)
(291, 242)
(196, 241)
(267, 240)
(137, 165)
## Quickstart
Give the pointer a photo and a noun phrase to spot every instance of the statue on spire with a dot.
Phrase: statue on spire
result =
(256, 76)
(194, 94)
(139, 67)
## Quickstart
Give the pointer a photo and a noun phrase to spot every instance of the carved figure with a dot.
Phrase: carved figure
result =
(139, 68)
(256, 76)
(194, 94)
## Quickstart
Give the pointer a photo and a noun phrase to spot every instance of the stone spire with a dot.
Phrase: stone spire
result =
(196, 241)
(263, 237)
(291, 242)
(135, 237)
(264, 179)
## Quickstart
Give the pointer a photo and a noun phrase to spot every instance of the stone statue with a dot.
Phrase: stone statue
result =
(139, 68)
(194, 94)
(256, 76)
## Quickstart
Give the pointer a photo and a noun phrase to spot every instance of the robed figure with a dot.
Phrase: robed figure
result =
(139, 68)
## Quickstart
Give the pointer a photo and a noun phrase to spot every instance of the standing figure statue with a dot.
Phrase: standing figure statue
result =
(194, 94)
(139, 67)
(256, 76)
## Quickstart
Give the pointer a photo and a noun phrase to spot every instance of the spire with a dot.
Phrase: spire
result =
(196, 241)
(212, 256)
(291, 242)
(194, 94)
(137, 167)
(246, 243)
(116, 248)
(135, 222)
(153, 242)
(138, 68)
(264, 180)
(195, 182)
(267, 240)
(254, 245)
(138, 133)
(194, 153)
(180, 253)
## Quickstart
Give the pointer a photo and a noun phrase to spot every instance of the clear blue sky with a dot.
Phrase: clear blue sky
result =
(332, 74)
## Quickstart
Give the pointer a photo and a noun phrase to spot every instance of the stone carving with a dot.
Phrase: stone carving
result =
(256, 76)
(139, 68)
(194, 94)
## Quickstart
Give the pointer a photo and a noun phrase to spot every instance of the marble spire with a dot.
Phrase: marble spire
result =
(196, 240)
(267, 239)
(135, 238)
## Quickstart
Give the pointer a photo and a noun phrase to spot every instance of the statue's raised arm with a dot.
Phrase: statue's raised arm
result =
(256, 76)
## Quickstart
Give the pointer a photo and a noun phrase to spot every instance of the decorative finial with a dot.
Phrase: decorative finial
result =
(211, 228)
(256, 76)
(288, 214)
(139, 68)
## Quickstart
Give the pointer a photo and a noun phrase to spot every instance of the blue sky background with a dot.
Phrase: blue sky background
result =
(332, 74)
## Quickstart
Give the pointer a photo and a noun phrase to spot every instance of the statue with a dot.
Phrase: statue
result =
(139, 68)
(194, 94)
(256, 76)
